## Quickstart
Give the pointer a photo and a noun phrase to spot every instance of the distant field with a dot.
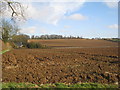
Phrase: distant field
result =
(75, 43)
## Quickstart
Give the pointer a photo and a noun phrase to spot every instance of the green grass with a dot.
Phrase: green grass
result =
(4, 51)
(113, 40)
(57, 85)
(116, 40)
(18, 85)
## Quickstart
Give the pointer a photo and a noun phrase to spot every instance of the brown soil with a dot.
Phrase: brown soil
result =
(75, 43)
(73, 65)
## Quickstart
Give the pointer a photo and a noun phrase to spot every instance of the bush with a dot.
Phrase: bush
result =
(22, 38)
(34, 45)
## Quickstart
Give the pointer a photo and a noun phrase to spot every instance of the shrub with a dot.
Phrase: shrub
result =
(34, 45)
(22, 38)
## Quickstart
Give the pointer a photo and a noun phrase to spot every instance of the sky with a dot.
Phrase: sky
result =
(86, 19)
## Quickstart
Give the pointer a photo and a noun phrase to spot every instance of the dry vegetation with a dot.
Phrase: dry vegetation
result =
(4, 46)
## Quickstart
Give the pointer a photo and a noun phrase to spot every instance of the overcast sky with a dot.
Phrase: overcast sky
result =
(86, 19)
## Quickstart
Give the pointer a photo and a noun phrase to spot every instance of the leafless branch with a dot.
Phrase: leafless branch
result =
(13, 11)
(17, 9)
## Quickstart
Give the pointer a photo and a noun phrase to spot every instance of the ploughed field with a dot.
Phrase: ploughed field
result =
(65, 65)
(75, 43)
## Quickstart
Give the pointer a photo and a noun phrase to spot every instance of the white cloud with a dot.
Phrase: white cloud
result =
(33, 30)
(63, 31)
(67, 26)
(77, 17)
(114, 26)
(112, 3)
(52, 12)
(43, 31)
(29, 30)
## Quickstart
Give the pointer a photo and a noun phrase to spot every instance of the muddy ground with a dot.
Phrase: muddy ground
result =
(71, 65)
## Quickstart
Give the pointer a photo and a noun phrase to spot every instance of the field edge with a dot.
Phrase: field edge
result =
(57, 85)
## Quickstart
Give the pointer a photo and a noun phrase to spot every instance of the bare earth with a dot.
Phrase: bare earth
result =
(75, 43)
(65, 65)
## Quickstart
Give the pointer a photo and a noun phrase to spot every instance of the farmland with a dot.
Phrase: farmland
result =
(75, 43)
(92, 61)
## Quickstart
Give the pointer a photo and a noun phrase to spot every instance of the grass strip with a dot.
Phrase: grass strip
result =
(4, 51)
(58, 85)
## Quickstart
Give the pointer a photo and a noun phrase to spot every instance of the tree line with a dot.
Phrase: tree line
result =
(54, 36)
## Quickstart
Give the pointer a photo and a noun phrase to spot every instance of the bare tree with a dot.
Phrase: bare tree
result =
(8, 30)
(16, 9)
(16, 12)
